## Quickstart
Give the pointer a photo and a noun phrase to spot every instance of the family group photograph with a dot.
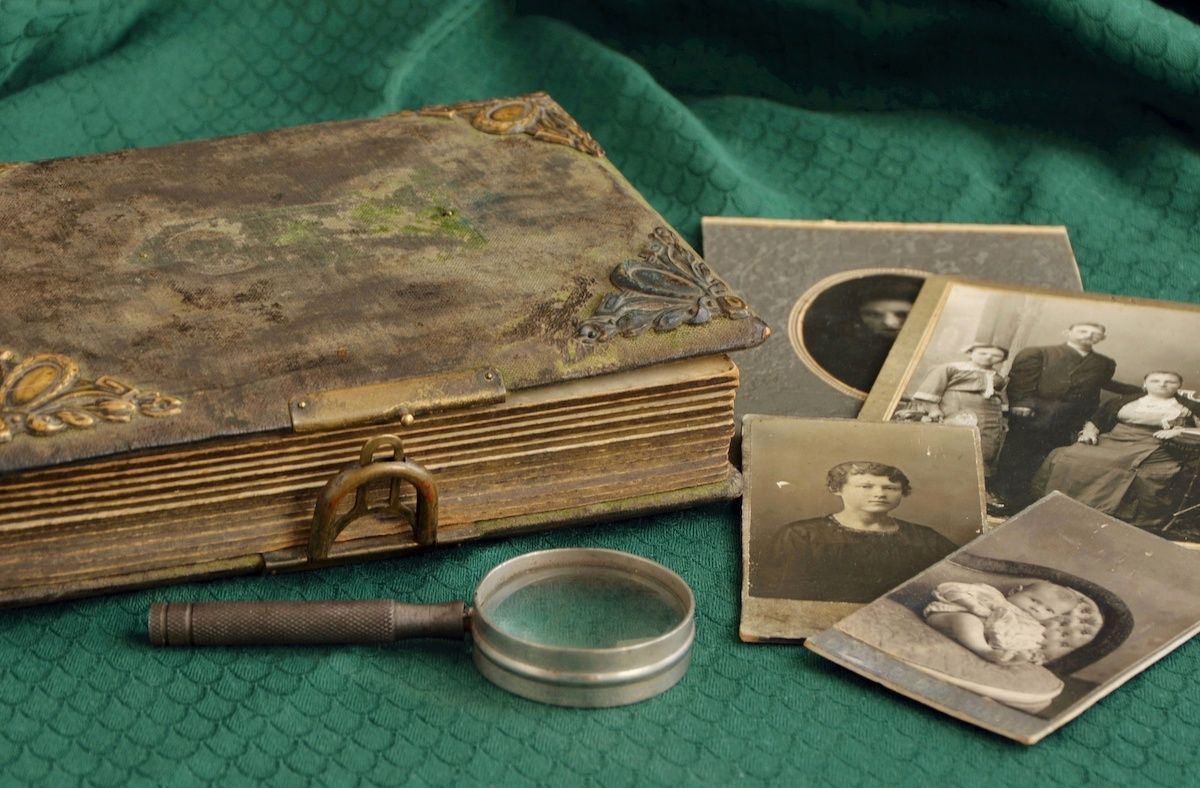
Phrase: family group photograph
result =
(1091, 397)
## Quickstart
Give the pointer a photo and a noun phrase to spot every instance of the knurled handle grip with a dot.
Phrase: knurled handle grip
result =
(301, 623)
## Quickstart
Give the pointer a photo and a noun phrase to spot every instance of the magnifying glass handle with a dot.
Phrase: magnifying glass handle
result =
(268, 623)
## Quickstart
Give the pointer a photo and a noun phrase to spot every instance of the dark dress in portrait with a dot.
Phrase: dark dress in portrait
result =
(821, 559)
(1129, 473)
(1063, 387)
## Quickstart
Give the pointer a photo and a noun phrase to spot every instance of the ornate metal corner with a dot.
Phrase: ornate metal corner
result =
(665, 288)
(44, 395)
(537, 115)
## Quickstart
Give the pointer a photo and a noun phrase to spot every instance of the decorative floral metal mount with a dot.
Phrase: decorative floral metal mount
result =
(665, 288)
(537, 115)
(44, 395)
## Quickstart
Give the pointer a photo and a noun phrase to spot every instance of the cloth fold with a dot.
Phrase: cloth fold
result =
(1082, 113)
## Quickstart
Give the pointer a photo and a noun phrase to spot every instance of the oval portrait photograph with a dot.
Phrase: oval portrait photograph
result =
(844, 325)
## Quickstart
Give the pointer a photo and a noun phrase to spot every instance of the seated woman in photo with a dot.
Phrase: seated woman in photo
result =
(1121, 463)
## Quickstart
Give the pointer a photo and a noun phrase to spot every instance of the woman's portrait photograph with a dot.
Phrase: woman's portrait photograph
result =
(1089, 396)
(838, 512)
(1026, 627)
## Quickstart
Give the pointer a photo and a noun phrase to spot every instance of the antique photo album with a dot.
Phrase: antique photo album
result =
(836, 512)
(1025, 628)
(1090, 395)
(217, 347)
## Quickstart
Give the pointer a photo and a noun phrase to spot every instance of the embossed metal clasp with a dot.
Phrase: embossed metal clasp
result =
(398, 400)
(326, 525)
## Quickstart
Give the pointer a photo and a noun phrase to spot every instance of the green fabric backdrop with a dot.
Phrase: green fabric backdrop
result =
(1075, 112)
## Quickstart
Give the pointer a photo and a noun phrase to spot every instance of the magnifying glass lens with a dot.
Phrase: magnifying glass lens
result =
(585, 607)
(583, 627)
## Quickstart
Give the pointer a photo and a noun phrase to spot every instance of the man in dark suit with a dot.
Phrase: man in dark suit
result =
(1052, 390)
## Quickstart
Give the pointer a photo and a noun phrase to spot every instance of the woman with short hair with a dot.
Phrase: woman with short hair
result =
(970, 393)
(856, 553)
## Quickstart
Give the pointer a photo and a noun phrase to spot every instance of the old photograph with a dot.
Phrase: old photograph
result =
(1091, 396)
(1028, 626)
(836, 512)
(837, 293)
(844, 326)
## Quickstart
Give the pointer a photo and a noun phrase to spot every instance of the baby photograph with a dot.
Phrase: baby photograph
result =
(1089, 396)
(1031, 624)
(837, 512)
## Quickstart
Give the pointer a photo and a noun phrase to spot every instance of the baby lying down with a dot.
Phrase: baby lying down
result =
(1000, 629)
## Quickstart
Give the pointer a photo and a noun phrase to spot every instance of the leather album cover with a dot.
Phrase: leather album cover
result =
(185, 314)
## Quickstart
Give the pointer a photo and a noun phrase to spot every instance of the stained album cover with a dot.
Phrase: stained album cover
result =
(1031, 624)
(836, 512)
(1089, 395)
(837, 293)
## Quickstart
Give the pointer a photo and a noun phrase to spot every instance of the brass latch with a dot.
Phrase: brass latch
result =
(326, 526)
(401, 400)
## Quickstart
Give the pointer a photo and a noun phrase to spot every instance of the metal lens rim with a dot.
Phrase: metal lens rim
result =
(573, 676)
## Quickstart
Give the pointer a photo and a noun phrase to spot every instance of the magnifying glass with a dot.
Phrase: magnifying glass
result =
(569, 627)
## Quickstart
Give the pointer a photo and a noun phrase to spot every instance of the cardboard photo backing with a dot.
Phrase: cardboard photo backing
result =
(808, 557)
(817, 273)
(1127, 599)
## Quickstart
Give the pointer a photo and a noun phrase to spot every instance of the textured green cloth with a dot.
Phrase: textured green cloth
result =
(1075, 112)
